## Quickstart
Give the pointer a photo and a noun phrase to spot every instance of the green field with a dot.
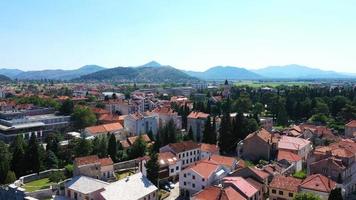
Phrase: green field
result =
(37, 185)
(257, 84)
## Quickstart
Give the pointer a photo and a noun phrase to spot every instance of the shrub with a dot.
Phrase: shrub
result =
(56, 176)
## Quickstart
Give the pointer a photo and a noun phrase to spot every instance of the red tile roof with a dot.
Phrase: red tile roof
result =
(92, 160)
(104, 128)
(285, 183)
(204, 169)
(287, 155)
(318, 182)
(351, 124)
(260, 173)
(243, 185)
(198, 115)
(183, 146)
(222, 160)
(210, 193)
(229, 193)
(212, 148)
(263, 134)
(132, 139)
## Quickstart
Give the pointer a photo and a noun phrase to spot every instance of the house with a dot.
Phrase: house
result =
(169, 165)
(95, 167)
(336, 161)
(249, 189)
(134, 187)
(256, 146)
(199, 176)
(207, 150)
(187, 151)
(196, 121)
(141, 123)
(83, 188)
(113, 128)
(164, 114)
(228, 162)
(298, 146)
(293, 159)
(252, 172)
(284, 187)
(350, 129)
(218, 193)
(319, 185)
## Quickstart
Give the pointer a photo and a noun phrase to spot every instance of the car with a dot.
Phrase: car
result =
(166, 187)
(171, 185)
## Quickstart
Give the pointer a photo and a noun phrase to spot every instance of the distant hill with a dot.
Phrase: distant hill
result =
(58, 74)
(225, 72)
(151, 72)
(10, 72)
(298, 72)
(4, 78)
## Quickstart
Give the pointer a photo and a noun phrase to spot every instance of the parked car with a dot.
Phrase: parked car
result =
(171, 185)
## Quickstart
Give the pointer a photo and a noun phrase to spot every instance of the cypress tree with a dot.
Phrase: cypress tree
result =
(112, 148)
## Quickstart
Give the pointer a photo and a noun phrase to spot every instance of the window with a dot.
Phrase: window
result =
(185, 175)
(280, 192)
(191, 160)
(183, 162)
(193, 185)
(177, 168)
(290, 194)
(179, 155)
(273, 191)
(203, 179)
(202, 187)
(172, 170)
(191, 153)
(185, 183)
(193, 177)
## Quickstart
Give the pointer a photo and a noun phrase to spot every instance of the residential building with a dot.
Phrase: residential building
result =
(196, 121)
(134, 187)
(291, 158)
(319, 185)
(206, 150)
(187, 151)
(336, 161)
(169, 164)
(229, 162)
(113, 128)
(141, 123)
(95, 167)
(266, 123)
(256, 146)
(249, 189)
(298, 146)
(164, 114)
(218, 193)
(199, 176)
(350, 129)
(284, 187)
(84, 188)
(257, 174)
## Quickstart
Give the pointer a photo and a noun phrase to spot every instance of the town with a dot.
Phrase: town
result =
(199, 141)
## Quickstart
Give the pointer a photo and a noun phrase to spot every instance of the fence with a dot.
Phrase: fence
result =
(130, 164)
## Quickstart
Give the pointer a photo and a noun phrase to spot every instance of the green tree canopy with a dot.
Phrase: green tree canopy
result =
(83, 117)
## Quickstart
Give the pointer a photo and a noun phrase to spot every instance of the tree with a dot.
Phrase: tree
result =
(150, 135)
(56, 176)
(18, 156)
(171, 131)
(112, 148)
(82, 147)
(52, 143)
(10, 177)
(207, 133)
(33, 157)
(4, 161)
(103, 147)
(152, 167)
(306, 196)
(83, 117)
(258, 108)
(190, 135)
(67, 107)
(138, 148)
(51, 160)
(225, 134)
(335, 194)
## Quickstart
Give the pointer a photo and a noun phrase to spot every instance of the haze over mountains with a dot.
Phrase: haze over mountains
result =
(155, 72)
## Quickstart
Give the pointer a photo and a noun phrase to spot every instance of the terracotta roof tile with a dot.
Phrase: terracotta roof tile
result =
(104, 128)
(242, 184)
(204, 169)
(351, 124)
(132, 139)
(183, 146)
(212, 148)
(198, 115)
(222, 160)
(318, 182)
(289, 156)
(285, 183)
(86, 160)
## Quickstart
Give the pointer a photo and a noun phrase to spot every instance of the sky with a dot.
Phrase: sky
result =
(187, 34)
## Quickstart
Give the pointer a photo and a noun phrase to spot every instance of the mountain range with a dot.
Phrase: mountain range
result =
(155, 72)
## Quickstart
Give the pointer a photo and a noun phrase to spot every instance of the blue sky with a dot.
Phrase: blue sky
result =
(187, 34)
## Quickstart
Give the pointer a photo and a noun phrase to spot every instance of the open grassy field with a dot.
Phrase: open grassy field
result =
(37, 185)
(257, 84)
